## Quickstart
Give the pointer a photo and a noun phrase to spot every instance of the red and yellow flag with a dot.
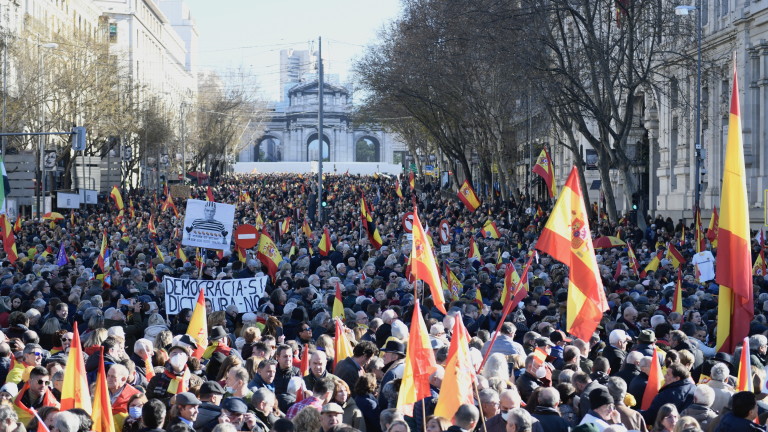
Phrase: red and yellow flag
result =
(674, 255)
(677, 298)
(546, 171)
(468, 197)
(285, 226)
(209, 194)
(398, 189)
(459, 374)
(714, 222)
(198, 325)
(268, 254)
(653, 264)
(117, 197)
(180, 253)
(412, 180)
(734, 272)
(419, 364)
(699, 237)
(566, 237)
(473, 251)
(75, 393)
(306, 229)
(338, 303)
(633, 260)
(490, 230)
(17, 224)
(654, 381)
(341, 344)
(9, 240)
(102, 407)
(744, 379)
(103, 251)
(760, 266)
(423, 265)
(325, 243)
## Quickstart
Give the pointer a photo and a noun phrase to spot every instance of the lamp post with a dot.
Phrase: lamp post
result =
(40, 142)
(685, 10)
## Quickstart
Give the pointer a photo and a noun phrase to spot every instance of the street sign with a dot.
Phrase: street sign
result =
(445, 249)
(245, 236)
(445, 233)
(408, 222)
(413, 168)
(429, 169)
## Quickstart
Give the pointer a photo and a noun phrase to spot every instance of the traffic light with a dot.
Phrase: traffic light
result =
(78, 138)
(325, 199)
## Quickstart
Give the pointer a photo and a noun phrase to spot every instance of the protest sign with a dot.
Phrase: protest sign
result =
(244, 293)
(208, 224)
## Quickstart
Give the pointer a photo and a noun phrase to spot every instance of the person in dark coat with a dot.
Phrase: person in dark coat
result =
(740, 419)
(528, 381)
(637, 386)
(546, 411)
(350, 368)
(285, 371)
(211, 394)
(645, 343)
(678, 390)
(616, 350)
(631, 367)
(188, 406)
(584, 385)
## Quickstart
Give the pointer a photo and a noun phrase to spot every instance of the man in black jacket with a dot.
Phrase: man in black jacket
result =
(188, 406)
(285, 371)
(211, 394)
(741, 418)
(153, 416)
(678, 390)
(546, 411)
(616, 351)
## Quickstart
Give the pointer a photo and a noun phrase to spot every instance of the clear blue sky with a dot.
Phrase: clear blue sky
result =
(248, 35)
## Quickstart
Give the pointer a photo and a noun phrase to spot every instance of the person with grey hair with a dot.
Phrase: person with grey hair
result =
(719, 382)
(519, 420)
(9, 420)
(546, 411)
(489, 402)
(701, 408)
(388, 416)
(263, 401)
(758, 347)
(465, 419)
(631, 366)
(505, 343)
(66, 422)
(637, 386)
(630, 418)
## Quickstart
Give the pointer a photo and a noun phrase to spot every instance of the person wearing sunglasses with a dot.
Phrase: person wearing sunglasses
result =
(33, 355)
(37, 394)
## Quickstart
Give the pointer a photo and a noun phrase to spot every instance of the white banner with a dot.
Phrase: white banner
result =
(244, 293)
(208, 224)
(67, 200)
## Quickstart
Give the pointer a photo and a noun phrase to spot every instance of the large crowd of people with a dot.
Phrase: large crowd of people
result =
(250, 376)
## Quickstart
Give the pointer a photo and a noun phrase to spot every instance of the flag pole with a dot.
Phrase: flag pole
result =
(482, 416)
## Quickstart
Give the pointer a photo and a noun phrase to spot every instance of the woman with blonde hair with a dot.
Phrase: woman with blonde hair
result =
(437, 424)
(687, 423)
(325, 343)
(94, 340)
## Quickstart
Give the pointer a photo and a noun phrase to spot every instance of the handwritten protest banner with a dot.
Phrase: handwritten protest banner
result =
(244, 293)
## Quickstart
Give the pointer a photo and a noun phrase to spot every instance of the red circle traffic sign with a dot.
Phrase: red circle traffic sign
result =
(408, 222)
(445, 233)
(246, 236)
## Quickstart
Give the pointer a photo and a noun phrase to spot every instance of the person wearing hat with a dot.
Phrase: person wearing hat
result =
(211, 394)
(218, 343)
(645, 343)
(175, 377)
(330, 415)
(603, 411)
(187, 406)
(235, 412)
(394, 357)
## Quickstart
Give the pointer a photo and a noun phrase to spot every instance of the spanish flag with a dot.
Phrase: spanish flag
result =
(17, 224)
(151, 225)
(490, 230)
(566, 237)
(744, 380)
(198, 326)
(654, 381)
(419, 364)
(474, 252)
(209, 194)
(468, 197)
(733, 262)
(180, 253)
(423, 265)
(115, 195)
(677, 298)
(102, 407)
(26, 414)
(759, 268)
(714, 221)
(366, 216)
(75, 393)
(159, 253)
(653, 265)
(633, 260)
(325, 243)
(398, 189)
(338, 303)
(546, 171)
(511, 282)
(341, 344)
(411, 180)
(674, 255)
(459, 374)
(285, 226)
(268, 254)
(103, 251)
(699, 237)
(306, 229)
(9, 240)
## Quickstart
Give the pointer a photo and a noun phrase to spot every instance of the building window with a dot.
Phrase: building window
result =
(313, 151)
(367, 150)
(269, 149)
(112, 32)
